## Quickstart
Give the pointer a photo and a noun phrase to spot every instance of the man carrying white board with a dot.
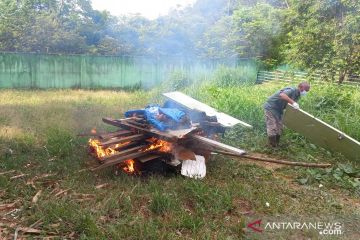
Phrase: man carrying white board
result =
(274, 109)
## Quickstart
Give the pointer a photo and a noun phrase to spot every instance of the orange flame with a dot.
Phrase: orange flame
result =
(101, 151)
(129, 168)
(160, 145)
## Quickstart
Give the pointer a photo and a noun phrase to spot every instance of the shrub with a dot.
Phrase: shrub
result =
(178, 80)
(234, 76)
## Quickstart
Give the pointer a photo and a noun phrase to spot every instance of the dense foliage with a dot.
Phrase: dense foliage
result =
(325, 35)
(313, 35)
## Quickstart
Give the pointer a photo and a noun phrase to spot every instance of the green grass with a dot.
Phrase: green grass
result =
(38, 135)
(337, 105)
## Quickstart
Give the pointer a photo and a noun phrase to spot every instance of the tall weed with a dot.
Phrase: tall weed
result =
(234, 76)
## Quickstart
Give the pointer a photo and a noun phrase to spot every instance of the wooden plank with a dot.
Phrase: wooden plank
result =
(121, 159)
(122, 140)
(180, 133)
(268, 74)
(321, 133)
(138, 118)
(278, 161)
(267, 78)
(192, 104)
(142, 125)
(217, 145)
(115, 134)
(290, 72)
(150, 132)
(123, 153)
(148, 158)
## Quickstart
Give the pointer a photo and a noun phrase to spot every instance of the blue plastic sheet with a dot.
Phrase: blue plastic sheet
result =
(152, 114)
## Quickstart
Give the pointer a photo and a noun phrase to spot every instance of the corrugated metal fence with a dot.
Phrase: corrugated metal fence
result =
(290, 76)
(84, 71)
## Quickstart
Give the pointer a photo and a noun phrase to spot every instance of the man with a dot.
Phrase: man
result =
(274, 108)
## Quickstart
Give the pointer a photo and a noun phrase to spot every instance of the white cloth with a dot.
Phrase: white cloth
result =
(194, 168)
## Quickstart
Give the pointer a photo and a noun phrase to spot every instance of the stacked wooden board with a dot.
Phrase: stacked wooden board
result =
(136, 140)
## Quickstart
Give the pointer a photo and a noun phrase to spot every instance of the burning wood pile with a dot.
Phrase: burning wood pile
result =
(137, 142)
(179, 136)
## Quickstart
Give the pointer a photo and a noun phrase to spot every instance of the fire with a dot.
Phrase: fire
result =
(129, 166)
(160, 145)
(102, 151)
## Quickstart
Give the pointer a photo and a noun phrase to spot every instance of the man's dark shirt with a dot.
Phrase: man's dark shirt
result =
(276, 105)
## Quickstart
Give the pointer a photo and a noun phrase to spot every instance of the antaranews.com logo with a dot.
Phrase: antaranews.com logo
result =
(322, 227)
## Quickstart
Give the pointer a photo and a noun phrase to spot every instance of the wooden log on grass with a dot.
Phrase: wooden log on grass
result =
(284, 162)
(300, 164)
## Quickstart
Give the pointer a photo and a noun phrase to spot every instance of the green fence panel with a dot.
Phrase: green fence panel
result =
(25, 70)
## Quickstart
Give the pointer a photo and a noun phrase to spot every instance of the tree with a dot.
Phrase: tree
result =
(220, 40)
(259, 31)
(50, 26)
(325, 35)
(308, 34)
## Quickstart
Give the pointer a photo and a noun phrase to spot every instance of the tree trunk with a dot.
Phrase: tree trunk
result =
(342, 76)
(345, 72)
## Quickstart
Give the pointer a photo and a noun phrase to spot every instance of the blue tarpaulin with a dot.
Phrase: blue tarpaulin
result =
(153, 114)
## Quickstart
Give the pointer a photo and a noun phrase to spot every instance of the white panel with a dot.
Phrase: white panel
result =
(192, 104)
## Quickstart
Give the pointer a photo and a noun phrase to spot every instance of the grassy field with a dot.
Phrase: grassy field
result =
(60, 196)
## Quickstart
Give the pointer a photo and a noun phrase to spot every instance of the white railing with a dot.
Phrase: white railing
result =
(291, 76)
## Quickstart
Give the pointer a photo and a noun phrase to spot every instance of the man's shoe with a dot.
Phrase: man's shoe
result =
(272, 141)
(277, 139)
(282, 145)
